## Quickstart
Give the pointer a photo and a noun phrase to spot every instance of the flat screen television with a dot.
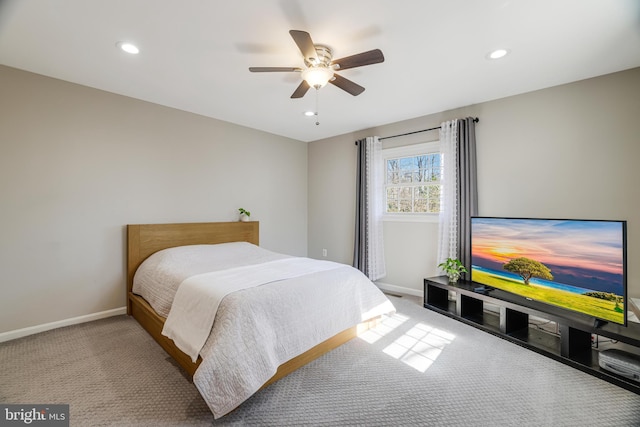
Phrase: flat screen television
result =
(578, 265)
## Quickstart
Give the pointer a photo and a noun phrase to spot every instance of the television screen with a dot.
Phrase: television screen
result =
(578, 265)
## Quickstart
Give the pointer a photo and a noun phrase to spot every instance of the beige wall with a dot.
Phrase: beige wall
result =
(570, 151)
(77, 164)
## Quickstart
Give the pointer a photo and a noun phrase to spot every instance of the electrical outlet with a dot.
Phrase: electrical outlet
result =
(324, 252)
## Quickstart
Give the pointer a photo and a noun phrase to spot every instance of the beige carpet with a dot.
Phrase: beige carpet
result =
(419, 368)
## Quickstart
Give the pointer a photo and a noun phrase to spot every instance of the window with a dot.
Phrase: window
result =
(412, 181)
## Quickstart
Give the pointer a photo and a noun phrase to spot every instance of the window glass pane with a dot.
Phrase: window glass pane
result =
(406, 176)
(435, 170)
(434, 198)
(421, 192)
(407, 163)
(421, 162)
(393, 176)
(420, 205)
(405, 205)
(434, 191)
(392, 199)
(407, 169)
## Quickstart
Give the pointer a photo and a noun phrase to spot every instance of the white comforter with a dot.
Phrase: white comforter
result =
(259, 328)
(198, 297)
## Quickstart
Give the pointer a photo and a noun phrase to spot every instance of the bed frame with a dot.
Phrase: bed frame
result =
(146, 239)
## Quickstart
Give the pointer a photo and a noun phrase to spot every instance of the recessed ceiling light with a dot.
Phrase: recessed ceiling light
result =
(128, 47)
(310, 113)
(497, 54)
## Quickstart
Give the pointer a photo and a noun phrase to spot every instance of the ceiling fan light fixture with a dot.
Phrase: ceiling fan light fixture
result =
(317, 77)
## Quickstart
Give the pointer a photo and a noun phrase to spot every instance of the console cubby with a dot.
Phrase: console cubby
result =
(570, 338)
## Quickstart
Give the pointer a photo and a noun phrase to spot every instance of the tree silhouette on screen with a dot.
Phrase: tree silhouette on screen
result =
(528, 268)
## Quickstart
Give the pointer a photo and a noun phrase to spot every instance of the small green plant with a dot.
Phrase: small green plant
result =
(453, 268)
(244, 214)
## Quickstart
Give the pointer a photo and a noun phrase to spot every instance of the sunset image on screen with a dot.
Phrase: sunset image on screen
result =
(576, 264)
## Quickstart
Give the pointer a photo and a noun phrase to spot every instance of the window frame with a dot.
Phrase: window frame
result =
(407, 151)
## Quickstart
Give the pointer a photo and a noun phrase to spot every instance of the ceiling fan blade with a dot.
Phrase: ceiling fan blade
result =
(347, 85)
(301, 90)
(273, 69)
(305, 44)
(365, 58)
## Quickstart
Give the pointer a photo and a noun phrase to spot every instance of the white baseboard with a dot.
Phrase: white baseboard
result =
(399, 289)
(19, 333)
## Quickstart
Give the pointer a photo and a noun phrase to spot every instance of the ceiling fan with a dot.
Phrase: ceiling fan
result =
(320, 67)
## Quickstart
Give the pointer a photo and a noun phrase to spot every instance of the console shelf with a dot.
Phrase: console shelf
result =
(572, 341)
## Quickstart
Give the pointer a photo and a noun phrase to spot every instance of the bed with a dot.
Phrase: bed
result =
(148, 241)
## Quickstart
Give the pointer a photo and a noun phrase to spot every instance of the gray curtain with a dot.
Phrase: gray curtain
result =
(360, 241)
(467, 188)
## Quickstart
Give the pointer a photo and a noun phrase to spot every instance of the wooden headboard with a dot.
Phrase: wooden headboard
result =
(146, 239)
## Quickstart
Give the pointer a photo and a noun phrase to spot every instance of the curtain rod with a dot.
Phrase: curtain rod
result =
(419, 131)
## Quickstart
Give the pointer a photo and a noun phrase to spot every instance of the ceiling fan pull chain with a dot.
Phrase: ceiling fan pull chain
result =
(317, 109)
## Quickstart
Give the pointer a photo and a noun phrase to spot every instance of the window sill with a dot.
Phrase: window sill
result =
(433, 218)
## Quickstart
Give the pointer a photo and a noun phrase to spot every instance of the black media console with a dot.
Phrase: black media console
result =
(505, 315)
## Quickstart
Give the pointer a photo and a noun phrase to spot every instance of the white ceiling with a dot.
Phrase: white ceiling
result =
(195, 54)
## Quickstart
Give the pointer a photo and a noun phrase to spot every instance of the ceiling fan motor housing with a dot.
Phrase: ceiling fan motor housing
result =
(324, 54)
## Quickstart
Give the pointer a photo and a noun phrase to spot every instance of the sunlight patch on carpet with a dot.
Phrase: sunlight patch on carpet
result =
(420, 346)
